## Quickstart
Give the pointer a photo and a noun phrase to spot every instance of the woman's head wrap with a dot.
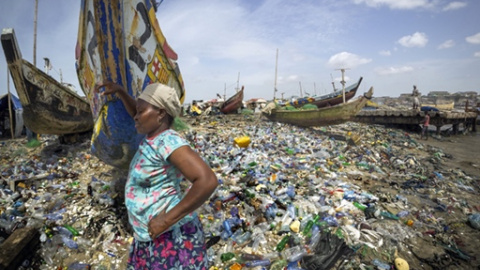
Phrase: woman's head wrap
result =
(162, 96)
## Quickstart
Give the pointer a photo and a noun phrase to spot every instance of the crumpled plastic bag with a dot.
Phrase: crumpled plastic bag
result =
(326, 253)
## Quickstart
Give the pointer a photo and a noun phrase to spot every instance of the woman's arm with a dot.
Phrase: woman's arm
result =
(113, 88)
(204, 181)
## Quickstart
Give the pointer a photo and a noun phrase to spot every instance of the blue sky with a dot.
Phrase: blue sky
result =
(392, 44)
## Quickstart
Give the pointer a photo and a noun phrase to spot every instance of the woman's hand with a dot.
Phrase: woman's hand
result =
(158, 224)
(110, 87)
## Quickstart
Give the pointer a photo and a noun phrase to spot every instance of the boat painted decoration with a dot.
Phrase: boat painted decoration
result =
(121, 41)
(49, 107)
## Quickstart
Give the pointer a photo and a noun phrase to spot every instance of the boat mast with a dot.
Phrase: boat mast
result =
(333, 83)
(35, 35)
(343, 83)
(301, 92)
(238, 80)
(275, 84)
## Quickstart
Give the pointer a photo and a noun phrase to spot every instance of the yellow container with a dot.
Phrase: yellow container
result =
(242, 141)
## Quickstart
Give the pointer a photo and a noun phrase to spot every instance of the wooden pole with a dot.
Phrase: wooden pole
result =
(275, 84)
(35, 34)
(10, 106)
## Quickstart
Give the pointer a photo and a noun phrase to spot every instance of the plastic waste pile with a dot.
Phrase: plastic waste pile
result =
(349, 196)
(57, 192)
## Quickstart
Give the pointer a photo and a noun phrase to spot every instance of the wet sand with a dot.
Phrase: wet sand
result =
(464, 148)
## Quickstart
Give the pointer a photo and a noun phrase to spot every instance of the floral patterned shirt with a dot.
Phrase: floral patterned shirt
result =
(153, 183)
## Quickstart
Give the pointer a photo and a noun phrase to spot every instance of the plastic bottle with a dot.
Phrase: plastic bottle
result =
(71, 229)
(255, 263)
(315, 237)
(250, 257)
(225, 257)
(291, 211)
(281, 245)
(310, 224)
(360, 206)
(294, 253)
(69, 242)
(388, 215)
(381, 265)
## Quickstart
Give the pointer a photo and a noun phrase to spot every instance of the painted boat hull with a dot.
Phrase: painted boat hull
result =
(121, 41)
(331, 99)
(49, 107)
(234, 103)
(333, 115)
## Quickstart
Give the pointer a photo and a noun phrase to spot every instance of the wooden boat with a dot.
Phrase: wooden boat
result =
(318, 117)
(49, 107)
(233, 104)
(330, 99)
(121, 41)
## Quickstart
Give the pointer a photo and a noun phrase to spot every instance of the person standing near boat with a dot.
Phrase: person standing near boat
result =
(167, 231)
(426, 123)
(416, 101)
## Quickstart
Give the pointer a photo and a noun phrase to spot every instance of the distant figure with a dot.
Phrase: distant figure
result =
(416, 101)
(426, 123)
(194, 109)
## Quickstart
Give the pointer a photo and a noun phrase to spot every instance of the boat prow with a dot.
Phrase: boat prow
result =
(49, 107)
(121, 41)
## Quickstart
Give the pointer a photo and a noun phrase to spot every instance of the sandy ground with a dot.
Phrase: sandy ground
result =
(465, 149)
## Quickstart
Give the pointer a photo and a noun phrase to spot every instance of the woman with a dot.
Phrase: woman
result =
(167, 231)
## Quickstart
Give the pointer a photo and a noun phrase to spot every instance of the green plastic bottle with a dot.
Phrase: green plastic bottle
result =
(281, 245)
(225, 257)
(360, 206)
(310, 224)
(71, 229)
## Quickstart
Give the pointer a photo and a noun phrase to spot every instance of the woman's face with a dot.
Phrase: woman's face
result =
(148, 118)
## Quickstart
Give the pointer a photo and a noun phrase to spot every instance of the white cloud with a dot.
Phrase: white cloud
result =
(347, 60)
(476, 54)
(397, 4)
(447, 44)
(385, 53)
(393, 70)
(475, 39)
(454, 5)
(416, 40)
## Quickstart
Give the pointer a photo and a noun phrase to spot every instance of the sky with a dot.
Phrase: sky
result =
(222, 45)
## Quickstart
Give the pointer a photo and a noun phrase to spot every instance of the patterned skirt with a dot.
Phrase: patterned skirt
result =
(180, 248)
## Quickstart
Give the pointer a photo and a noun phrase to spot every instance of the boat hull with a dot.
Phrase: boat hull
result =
(331, 99)
(49, 107)
(233, 104)
(121, 41)
(320, 117)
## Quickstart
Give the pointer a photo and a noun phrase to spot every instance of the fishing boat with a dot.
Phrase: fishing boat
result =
(330, 99)
(121, 41)
(234, 103)
(325, 116)
(49, 107)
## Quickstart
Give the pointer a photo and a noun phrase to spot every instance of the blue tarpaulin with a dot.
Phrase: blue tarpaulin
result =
(17, 112)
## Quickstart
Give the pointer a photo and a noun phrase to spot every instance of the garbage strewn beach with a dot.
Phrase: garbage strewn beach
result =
(349, 196)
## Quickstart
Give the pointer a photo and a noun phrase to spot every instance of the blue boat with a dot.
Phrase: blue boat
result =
(121, 41)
